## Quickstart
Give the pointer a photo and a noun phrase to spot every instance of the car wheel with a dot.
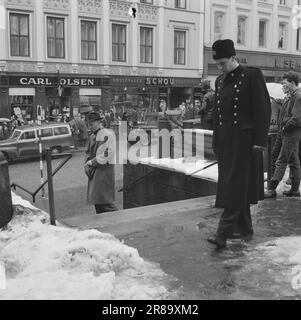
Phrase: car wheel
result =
(56, 150)
(6, 156)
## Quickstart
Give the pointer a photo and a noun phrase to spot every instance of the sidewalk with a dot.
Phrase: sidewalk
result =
(174, 235)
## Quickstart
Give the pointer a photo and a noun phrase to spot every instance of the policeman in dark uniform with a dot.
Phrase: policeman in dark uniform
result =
(241, 122)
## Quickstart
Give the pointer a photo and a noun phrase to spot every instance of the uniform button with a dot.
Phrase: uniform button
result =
(238, 90)
(235, 114)
(218, 102)
(235, 86)
(240, 82)
(220, 115)
(236, 99)
(218, 109)
(235, 122)
(232, 74)
(235, 107)
(220, 123)
(243, 75)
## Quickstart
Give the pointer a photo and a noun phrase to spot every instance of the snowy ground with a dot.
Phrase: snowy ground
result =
(46, 262)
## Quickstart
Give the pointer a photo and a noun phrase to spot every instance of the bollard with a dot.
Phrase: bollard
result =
(50, 187)
(6, 205)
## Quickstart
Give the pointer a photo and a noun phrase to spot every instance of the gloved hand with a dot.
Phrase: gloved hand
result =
(258, 148)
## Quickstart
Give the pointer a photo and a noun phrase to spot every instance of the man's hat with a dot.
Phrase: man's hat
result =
(94, 116)
(205, 84)
(223, 49)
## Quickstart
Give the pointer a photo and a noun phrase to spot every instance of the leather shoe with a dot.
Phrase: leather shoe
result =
(242, 235)
(218, 242)
(291, 193)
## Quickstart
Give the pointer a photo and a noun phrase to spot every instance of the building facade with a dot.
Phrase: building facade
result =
(74, 56)
(267, 34)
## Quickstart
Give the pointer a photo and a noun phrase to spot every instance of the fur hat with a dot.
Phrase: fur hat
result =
(223, 49)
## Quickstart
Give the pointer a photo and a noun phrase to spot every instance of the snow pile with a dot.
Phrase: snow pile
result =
(46, 262)
(271, 270)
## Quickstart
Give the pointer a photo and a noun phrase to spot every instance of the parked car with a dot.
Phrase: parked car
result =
(24, 141)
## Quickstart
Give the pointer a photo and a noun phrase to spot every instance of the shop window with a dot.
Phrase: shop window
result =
(136, 101)
(55, 38)
(19, 35)
(22, 108)
(58, 106)
(29, 135)
(90, 103)
(47, 133)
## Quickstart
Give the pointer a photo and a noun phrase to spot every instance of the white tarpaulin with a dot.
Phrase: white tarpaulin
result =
(275, 90)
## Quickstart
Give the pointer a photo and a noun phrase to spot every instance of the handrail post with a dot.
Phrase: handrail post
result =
(50, 187)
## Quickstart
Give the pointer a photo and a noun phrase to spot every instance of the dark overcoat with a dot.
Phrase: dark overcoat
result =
(101, 187)
(242, 115)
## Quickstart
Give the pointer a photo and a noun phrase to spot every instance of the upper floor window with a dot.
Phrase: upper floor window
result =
(218, 25)
(179, 47)
(282, 35)
(88, 40)
(119, 42)
(282, 2)
(146, 45)
(146, 1)
(298, 40)
(19, 35)
(241, 30)
(262, 33)
(181, 4)
(55, 38)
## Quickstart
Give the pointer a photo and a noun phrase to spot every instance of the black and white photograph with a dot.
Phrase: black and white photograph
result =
(150, 152)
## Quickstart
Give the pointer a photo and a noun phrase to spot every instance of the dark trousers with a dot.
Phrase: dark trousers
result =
(289, 155)
(108, 207)
(276, 151)
(233, 221)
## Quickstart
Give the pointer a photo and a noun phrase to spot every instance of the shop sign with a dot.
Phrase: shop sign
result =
(287, 63)
(54, 81)
(160, 81)
(127, 81)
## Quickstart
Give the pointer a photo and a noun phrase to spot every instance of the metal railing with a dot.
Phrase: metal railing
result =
(49, 181)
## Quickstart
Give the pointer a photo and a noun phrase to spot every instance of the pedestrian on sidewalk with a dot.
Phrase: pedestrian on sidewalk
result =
(99, 167)
(242, 113)
(289, 135)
